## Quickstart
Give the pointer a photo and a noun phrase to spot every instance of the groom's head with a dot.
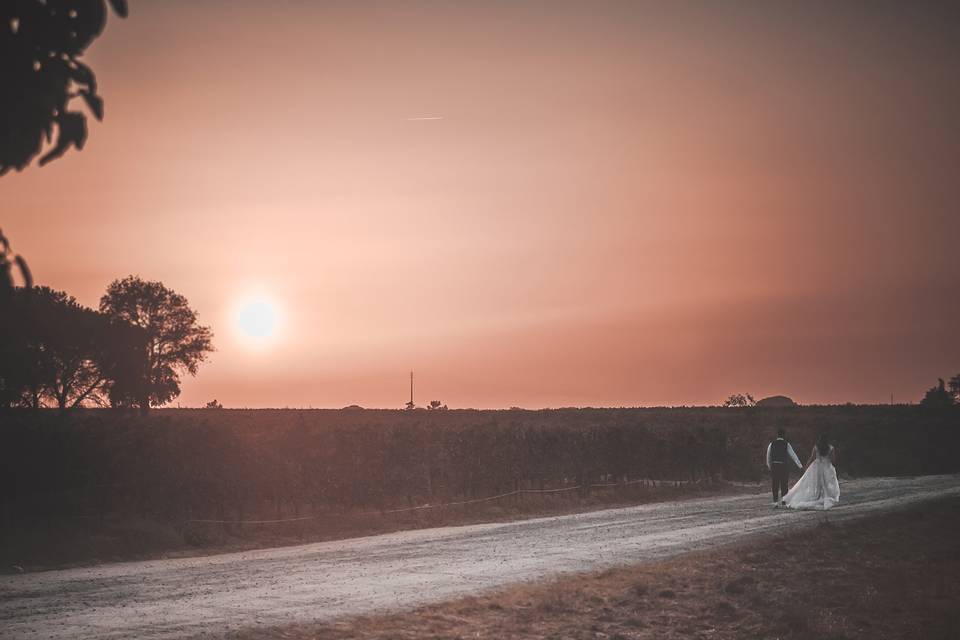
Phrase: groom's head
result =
(781, 433)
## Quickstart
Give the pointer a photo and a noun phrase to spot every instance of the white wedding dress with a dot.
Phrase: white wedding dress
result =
(818, 487)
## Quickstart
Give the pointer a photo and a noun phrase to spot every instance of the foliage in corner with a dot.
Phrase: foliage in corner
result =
(7, 260)
(41, 43)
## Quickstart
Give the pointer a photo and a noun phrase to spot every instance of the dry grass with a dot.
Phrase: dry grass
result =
(893, 576)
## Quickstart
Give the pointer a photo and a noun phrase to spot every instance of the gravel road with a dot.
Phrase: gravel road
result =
(216, 594)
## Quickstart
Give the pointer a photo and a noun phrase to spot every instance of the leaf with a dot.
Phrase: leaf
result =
(72, 131)
(82, 74)
(24, 271)
(119, 7)
(95, 103)
(88, 21)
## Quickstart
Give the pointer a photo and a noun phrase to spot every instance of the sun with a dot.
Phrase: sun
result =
(257, 320)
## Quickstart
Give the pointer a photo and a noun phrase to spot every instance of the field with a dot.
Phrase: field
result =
(891, 576)
(119, 486)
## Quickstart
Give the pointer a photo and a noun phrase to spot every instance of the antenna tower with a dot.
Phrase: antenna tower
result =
(410, 404)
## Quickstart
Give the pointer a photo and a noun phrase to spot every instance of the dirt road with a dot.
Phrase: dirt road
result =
(216, 594)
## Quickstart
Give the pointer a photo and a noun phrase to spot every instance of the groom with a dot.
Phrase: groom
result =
(778, 453)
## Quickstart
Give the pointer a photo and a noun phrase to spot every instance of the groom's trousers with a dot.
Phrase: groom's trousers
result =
(780, 473)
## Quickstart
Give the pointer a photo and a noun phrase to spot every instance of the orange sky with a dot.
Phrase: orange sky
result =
(623, 203)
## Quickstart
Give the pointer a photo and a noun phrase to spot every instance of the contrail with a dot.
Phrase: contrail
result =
(425, 118)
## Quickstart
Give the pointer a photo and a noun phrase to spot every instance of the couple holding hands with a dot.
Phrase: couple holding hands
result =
(818, 487)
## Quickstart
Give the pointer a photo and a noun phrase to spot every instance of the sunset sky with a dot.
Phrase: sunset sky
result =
(527, 203)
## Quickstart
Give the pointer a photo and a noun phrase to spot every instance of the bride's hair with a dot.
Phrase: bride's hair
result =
(823, 444)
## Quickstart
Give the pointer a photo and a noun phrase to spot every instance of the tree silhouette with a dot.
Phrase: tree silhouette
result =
(938, 396)
(69, 342)
(740, 400)
(954, 386)
(21, 370)
(41, 43)
(12, 377)
(59, 353)
(174, 341)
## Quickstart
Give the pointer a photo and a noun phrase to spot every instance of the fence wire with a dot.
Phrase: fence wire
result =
(423, 507)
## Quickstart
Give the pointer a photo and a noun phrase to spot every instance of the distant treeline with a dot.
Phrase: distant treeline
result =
(236, 464)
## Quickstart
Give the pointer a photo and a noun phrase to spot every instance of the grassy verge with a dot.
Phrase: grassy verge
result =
(64, 543)
(891, 576)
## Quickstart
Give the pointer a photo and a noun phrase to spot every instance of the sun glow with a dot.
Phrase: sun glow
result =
(257, 321)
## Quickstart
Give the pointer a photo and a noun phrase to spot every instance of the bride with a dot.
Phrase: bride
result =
(818, 487)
